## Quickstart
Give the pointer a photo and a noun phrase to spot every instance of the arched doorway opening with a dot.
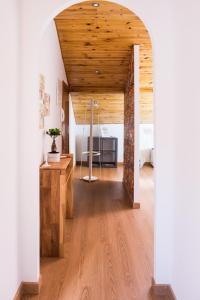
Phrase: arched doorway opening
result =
(35, 17)
(122, 56)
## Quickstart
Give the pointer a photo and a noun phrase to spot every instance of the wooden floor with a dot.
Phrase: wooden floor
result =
(108, 246)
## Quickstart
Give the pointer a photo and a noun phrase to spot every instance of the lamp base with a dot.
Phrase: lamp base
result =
(90, 179)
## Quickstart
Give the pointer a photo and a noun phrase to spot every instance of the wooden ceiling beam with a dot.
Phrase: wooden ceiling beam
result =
(96, 89)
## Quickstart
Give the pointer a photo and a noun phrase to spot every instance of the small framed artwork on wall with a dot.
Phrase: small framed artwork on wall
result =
(41, 100)
(46, 103)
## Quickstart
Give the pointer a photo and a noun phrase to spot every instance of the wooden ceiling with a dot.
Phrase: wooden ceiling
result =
(96, 44)
(110, 107)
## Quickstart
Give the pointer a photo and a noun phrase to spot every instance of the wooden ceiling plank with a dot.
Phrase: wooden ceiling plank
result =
(100, 39)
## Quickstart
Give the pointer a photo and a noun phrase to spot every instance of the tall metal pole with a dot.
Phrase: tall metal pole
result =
(91, 153)
(91, 140)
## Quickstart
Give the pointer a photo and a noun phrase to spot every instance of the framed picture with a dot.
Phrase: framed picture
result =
(41, 101)
(46, 103)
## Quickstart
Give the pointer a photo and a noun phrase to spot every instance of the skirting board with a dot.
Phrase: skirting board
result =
(136, 205)
(162, 290)
(85, 163)
(27, 288)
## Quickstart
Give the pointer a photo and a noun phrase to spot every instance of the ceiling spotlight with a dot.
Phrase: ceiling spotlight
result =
(95, 4)
(97, 72)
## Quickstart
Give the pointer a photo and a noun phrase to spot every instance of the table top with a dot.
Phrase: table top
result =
(64, 162)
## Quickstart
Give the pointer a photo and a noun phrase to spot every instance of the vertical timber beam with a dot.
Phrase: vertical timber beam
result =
(128, 176)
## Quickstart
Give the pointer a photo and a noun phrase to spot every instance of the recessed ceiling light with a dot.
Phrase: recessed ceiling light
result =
(97, 72)
(95, 4)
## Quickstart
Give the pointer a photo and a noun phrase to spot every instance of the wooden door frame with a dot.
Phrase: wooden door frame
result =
(65, 124)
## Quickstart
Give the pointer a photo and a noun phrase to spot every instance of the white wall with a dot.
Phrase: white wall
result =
(137, 160)
(186, 230)
(83, 131)
(72, 130)
(10, 250)
(146, 136)
(51, 66)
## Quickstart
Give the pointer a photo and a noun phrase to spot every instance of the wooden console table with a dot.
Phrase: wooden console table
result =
(56, 204)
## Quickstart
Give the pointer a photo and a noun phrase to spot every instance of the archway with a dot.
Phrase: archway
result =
(35, 17)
